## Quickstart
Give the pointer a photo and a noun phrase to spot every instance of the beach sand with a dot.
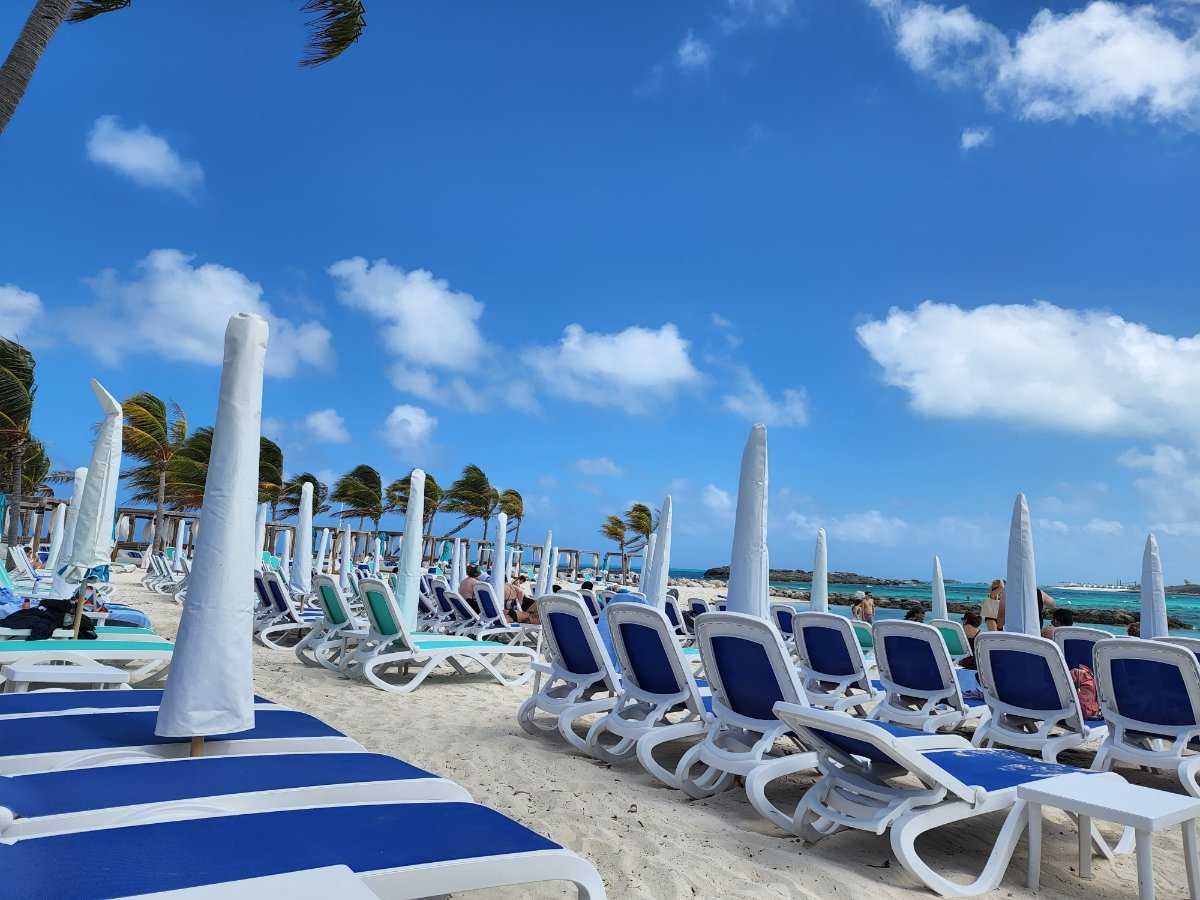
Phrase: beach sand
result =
(646, 840)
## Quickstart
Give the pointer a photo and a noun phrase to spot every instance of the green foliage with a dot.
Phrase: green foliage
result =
(472, 497)
(397, 498)
(361, 492)
(271, 482)
(289, 497)
(337, 25)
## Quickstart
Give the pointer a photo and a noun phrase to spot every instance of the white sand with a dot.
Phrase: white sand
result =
(646, 840)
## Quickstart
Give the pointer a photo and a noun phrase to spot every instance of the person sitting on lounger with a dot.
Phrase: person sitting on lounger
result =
(1062, 618)
(972, 624)
(466, 589)
(915, 614)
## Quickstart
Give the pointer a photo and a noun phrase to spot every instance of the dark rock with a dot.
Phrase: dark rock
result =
(801, 576)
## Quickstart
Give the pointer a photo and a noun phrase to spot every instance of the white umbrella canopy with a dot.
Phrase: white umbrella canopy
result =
(408, 570)
(377, 556)
(499, 559)
(301, 580)
(819, 593)
(748, 565)
(58, 522)
(322, 549)
(211, 688)
(940, 608)
(344, 567)
(1020, 602)
(60, 587)
(91, 541)
(1154, 597)
(543, 579)
(655, 588)
(260, 533)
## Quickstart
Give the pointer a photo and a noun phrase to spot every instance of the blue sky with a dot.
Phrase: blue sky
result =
(946, 253)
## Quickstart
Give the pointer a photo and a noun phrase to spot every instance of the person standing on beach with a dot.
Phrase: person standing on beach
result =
(991, 605)
(868, 608)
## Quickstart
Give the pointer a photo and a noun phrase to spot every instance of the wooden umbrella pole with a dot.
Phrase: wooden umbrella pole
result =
(79, 595)
(197, 748)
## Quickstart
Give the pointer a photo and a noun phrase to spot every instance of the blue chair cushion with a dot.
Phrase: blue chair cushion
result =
(997, 770)
(176, 855)
(61, 701)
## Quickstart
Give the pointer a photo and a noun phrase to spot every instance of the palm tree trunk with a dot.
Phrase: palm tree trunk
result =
(14, 497)
(31, 43)
(485, 525)
(159, 518)
(517, 533)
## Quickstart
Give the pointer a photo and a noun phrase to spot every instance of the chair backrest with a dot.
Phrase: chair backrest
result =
(379, 603)
(653, 667)
(698, 606)
(862, 631)
(674, 616)
(260, 588)
(1149, 687)
(589, 600)
(492, 613)
(1192, 644)
(574, 641)
(1077, 643)
(913, 660)
(1023, 674)
(279, 593)
(749, 669)
(781, 615)
(464, 614)
(440, 591)
(957, 644)
(329, 598)
(828, 648)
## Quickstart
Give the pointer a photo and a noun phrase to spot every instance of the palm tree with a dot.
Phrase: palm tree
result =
(187, 473)
(17, 392)
(270, 473)
(641, 521)
(397, 498)
(36, 477)
(336, 25)
(472, 497)
(361, 490)
(614, 529)
(513, 506)
(154, 431)
(289, 497)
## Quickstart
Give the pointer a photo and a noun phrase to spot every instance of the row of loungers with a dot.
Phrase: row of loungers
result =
(81, 770)
(905, 767)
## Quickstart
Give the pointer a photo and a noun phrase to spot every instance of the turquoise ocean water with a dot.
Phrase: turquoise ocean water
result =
(1183, 606)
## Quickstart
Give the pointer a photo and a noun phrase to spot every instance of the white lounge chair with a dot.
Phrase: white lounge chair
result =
(290, 620)
(659, 699)
(338, 629)
(1032, 700)
(957, 643)
(1077, 643)
(494, 624)
(832, 668)
(146, 660)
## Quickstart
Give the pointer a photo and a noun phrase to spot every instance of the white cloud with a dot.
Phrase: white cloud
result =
(1107, 60)
(719, 321)
(142, 156)
(716, 499)
(636, 369)
(602, 467)
(1103, 526)
(19, 310)
(1039, 365)
(408, 427)
(1055, 525)
(1164, 460)
(692, 53)
(750, 400)
(870, 527)
(327, 426)
(178, 310)
(973, 138)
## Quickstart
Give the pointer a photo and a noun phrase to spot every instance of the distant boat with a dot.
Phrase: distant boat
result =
(1118, 588)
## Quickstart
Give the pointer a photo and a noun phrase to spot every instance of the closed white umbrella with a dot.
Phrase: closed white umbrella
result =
(285, 556)
(748, 565)
(211, 688)
(819, 595)
(1154, 597)
(177, 562)
(647, 572)
(660, 559)
(456, 565)
(408, 569)
(554, 560)
(60, 587)
(543, 581)
(260, 533)
(301, 580)
(147, 536)
(500, 558)
(344, 567)
(58, 522)
(940, 609)
(322, 548)
(1020, 602)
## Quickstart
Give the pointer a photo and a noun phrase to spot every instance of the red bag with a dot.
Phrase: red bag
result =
(1085, 687)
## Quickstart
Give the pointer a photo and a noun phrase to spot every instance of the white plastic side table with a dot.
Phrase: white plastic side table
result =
(20, 675)
(1146, 810)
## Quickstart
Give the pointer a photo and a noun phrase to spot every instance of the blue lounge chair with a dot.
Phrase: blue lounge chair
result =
(290, 620)
(493, 624)
(54, 703)
(1077, 643)
(781, 615)
(920, 687)
(832, 668)
(957, 643)
(873, 781)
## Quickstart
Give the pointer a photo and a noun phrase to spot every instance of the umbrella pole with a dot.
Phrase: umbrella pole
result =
(197, 748)
(80, 594)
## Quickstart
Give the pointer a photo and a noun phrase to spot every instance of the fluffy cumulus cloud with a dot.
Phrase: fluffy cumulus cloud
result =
(1040, 365)
(178, 310)
(19, 310)
(1104, 59)
(408, 427)
(142, 156)
(636, 369)
(692, 53)
(1106, 527)
(974, 138)
(326, 426)
(716, 499)
(1163, 460)
(749, 399)
(601, 466)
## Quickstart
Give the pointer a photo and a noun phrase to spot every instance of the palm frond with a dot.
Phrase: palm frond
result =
(89, 9)
(337, 25)
(361, 491)
(16, 388)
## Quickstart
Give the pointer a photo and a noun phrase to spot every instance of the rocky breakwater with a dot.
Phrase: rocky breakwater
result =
(799, 575)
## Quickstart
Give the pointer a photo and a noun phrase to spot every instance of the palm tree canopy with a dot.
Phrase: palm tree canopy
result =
(397, 496)
(472, 497)
(640, 520)
(512, 505)
(289, 497)
(361, 491)
(336, 26)
(270, 471)
(186, 473)
(614, 529)
(154, 430)
(36, 477)
(17, 391)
